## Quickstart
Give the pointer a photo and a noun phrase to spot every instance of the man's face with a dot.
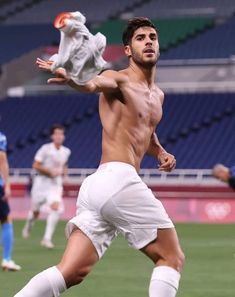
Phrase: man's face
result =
(144, 47)
(58, 137)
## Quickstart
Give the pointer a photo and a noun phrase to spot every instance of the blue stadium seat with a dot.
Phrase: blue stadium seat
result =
(214, 43)
(197, 128)
(18, 40)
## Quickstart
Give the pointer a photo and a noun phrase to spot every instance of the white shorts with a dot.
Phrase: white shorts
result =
(46, 195)
(115, 200)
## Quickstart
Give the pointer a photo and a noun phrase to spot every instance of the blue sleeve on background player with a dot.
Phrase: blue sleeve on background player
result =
(232, 178)
(3, 147)
(3, 142)
(232, 171)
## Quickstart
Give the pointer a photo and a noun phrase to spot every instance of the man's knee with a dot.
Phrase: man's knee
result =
(80, 275)
(176, 260)
(169, 255)
(76, 276)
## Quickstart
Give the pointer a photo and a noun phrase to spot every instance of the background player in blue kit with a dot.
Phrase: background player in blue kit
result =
(7, 228)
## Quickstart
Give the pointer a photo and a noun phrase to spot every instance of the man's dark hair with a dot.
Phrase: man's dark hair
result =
(56, 126)
(133, 25)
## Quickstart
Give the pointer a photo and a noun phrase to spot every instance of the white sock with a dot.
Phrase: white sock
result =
(52, 221)
(48, 283)
(164, 282)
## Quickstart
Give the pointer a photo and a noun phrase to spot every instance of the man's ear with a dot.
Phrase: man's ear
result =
(127, 50)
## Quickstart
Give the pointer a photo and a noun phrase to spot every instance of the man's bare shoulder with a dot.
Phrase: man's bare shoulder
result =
(160, 93)
(119, 76)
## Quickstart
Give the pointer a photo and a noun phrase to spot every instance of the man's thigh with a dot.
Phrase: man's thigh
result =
(137, 214)
(165, 246)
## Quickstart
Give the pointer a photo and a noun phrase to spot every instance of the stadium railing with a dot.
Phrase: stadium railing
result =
(150, 176)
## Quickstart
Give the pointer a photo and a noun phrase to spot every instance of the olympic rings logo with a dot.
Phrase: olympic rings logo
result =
(217, 210)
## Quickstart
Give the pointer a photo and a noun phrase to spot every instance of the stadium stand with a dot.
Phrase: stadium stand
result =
(27, 121)
(41, 11)
(214, 43)
(169, 8)
(172, 30)
(45, 11)
(26, 38)
(199, 137)
(12, 7)
(197, 129)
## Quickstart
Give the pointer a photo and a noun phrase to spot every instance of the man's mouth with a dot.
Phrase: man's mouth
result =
(149, 51)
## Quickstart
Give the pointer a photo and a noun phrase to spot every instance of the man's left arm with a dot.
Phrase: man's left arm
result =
(167, 161)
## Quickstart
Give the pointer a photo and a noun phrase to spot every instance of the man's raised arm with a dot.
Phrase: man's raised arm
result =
(108, 81)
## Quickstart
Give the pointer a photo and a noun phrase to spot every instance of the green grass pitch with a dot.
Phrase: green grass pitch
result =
(209, 270)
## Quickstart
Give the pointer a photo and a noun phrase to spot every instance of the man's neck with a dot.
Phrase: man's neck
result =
(57, 146)
(144, 75)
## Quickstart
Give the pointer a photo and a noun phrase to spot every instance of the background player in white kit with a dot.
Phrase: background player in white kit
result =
(50, 162)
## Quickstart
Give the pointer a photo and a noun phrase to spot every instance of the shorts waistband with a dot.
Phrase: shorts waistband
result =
(115, 164)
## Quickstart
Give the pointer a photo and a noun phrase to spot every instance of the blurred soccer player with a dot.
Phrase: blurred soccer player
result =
(225, 174)
(114, 198)
(7, 228)
(50, 162)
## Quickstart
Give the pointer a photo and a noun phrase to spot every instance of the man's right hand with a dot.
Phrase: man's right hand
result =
(44, 65)
(61, 75)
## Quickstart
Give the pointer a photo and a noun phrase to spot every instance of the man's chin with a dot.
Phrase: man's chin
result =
(149, 62)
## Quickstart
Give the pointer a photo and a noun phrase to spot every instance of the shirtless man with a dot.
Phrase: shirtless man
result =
(114, 198)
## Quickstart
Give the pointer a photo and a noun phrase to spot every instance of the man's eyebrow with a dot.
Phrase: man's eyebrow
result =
(143, 35)
(140, 35)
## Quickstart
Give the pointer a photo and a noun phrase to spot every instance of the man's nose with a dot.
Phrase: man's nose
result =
(149, 42)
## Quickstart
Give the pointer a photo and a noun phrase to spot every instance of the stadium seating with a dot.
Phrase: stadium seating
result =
(172, 30)
(18, 40)
(45, 11)
(26, 122)
(169, 8)
(197, 128)
(212, 44)
(42, 11)
(178, 35)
